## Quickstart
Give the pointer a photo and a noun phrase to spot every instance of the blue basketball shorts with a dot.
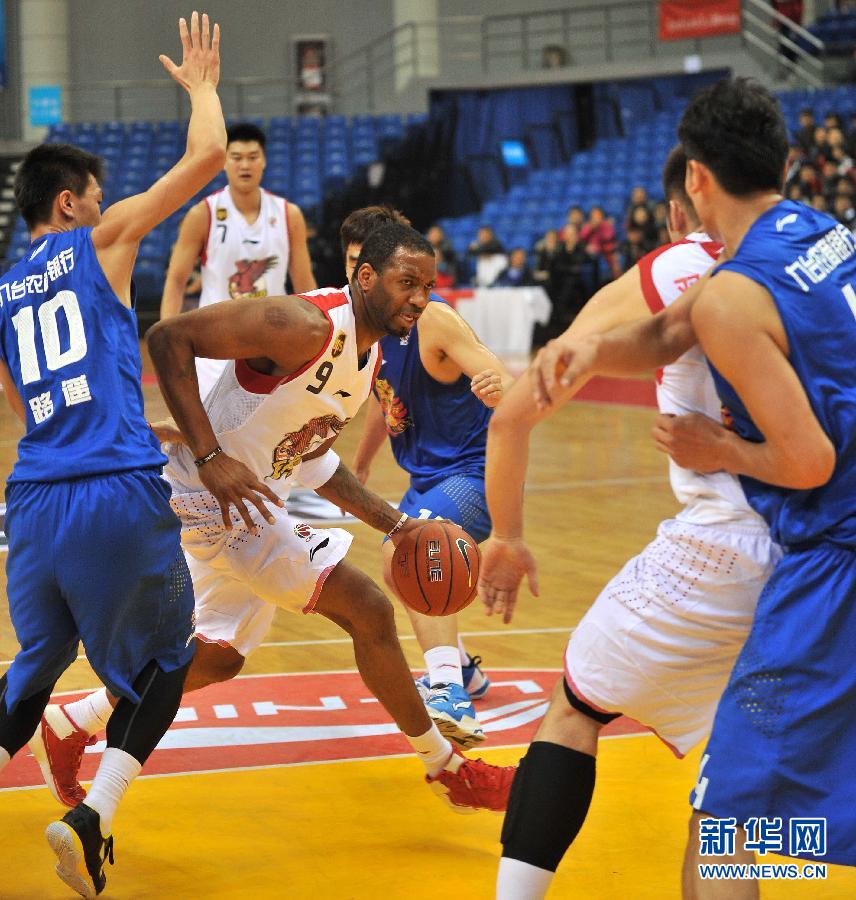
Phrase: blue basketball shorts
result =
(96, 560)
(459, 498)
(783, 742)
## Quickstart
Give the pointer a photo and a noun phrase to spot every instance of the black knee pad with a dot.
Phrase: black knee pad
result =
(548, 804)
(603, 718)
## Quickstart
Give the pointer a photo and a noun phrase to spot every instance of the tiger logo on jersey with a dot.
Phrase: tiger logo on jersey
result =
(294, 446)
(247, 282)
(395, 415)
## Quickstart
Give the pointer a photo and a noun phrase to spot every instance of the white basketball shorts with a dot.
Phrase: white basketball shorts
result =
(240, 578)
(660, 641)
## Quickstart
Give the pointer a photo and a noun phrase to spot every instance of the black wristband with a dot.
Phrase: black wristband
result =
(201, 460)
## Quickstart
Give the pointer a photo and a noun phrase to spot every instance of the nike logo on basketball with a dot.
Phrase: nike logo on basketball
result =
(462, 546)
(317, 547)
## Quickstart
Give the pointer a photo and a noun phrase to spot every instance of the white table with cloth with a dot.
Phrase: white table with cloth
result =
(502, 317)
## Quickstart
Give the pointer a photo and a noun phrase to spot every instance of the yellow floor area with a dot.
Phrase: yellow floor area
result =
(367, 830)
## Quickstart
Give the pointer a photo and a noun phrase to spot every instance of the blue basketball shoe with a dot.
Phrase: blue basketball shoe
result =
(451, 710)
(476, 682)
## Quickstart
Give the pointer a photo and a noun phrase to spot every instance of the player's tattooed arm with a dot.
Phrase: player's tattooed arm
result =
(346, 492)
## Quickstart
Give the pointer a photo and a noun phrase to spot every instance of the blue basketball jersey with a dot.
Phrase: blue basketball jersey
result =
(807, 261)
(71, 348)
(436, 429)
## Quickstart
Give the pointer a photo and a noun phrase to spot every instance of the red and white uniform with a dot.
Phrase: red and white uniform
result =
(241, 259)
(659, 642)
(270, 424)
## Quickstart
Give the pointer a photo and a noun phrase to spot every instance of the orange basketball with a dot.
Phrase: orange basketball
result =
(435, 568)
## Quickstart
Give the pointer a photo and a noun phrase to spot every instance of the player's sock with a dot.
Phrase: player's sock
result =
(517, 880)
(444, 666)
(547, 806)
(4, 758)
(433, 749)
(91, 713)
(115, 773)
(465, 657)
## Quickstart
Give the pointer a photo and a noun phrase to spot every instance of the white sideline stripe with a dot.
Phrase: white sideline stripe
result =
(316, 762)
(401, 637)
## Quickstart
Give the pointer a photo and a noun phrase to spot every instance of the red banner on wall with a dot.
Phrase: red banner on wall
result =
(681, 19)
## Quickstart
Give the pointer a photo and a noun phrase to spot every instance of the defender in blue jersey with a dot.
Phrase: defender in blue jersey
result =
(434, 391)
(777, 322)
(94, 553)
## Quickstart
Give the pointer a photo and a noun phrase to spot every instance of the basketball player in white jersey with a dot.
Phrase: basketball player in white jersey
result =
(659, 642)
(247, 239)
(301, 368)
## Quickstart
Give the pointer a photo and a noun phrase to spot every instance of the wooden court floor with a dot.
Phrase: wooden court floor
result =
(355, 821)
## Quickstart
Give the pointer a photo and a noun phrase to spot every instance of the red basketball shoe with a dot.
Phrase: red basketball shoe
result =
(467, 785)
(58, 746)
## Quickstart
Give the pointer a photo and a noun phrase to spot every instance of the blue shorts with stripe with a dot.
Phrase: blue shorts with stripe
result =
(784, 737)
(96, 560)
(459, 498)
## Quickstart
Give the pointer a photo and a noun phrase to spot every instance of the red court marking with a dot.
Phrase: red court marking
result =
(309, 718)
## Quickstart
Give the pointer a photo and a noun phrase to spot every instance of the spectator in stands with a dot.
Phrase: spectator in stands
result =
(818, 202)
(442, 279)
(829, 178)
(517, 273)
(545, 252)
(832, 120)
(820, 146)
(851, 135)
(793, 10)
(566, 278)
(553, 56)
(796, 159)
(576, 217)
(490, 256)
(633, 247)
(805, 132)
(842, 209)
(794, 191)
(447, 261)
(641, 218)
(809, 180)
(638, 197)
(598, 236)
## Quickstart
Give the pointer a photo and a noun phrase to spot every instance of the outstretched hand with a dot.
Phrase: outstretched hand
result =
(503, 565)
(200, 63)
(231, 483)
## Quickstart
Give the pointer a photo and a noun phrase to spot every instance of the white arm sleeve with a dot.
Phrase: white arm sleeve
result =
(315, 472)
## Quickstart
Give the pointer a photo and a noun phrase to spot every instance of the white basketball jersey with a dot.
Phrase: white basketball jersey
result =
(270, 422)
(241, 260)
(686, 385)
